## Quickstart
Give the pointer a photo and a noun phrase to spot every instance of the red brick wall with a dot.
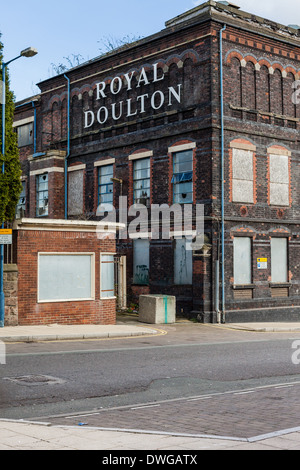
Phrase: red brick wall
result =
(29, 244)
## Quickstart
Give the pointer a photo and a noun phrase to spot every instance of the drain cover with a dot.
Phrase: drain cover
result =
(35, 380)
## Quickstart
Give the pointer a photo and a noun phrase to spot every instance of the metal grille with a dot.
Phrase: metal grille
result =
(242, 294)
(280, 291)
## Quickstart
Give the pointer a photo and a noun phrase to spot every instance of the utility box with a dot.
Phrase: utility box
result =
(156, 308)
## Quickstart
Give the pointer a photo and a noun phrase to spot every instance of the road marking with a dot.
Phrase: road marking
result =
(143, 407)
(200, 398)
(80, 416)
(245, 393)
(284, 386)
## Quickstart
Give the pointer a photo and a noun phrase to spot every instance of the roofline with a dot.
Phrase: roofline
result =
(210, 10)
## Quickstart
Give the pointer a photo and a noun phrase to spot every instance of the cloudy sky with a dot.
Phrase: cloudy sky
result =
(63, 28)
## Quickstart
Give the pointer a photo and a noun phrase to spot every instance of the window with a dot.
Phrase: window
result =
(65, 277)
(21, 206)
(25, 134)
(107, 276)
(183, 177)
(42, 195)
(242, 271)
(279, 264)
(75, 192)
(141, 249)
(183, 263)
(242, 175)
(105, 185)
(141, 182)
(279, 180)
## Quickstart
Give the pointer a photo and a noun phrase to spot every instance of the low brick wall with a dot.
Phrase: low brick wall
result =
(10, 278)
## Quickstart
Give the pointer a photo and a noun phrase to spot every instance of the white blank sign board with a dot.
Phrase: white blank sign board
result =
(64, 277)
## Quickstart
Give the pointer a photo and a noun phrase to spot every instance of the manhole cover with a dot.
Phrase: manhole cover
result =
(35, 380)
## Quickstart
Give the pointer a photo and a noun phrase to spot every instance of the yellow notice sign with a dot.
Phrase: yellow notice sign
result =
(5, 236)
(262, 263)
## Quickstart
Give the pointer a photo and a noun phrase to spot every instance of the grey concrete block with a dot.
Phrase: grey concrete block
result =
(157, 309)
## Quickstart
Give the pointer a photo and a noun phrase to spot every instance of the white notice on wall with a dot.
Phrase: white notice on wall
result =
(262, 263)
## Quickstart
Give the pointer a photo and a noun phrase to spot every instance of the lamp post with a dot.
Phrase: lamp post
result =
(29, 52)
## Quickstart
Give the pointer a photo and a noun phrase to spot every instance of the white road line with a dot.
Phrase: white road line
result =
(200, 398)
(143, 407)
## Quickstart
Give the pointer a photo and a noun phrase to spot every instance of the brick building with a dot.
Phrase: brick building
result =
(201, 113)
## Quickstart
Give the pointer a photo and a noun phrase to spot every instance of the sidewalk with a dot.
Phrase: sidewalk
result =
(16, 435)
(21, 435)
(55, 332)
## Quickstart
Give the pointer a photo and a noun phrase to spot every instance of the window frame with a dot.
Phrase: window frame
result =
(274, 185)
(92, 277)
(101, 185)
(250, 259)
(191, 256)
(182, 175)
(113, 265)
(135, 241)
(21, 206)
(135, 180)
(286, 261)
(30, 137)
(39, 191)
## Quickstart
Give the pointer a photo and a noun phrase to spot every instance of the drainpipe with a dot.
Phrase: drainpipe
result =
(68, 151)
(222, 175)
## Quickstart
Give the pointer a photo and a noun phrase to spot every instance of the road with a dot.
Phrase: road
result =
(188, 367)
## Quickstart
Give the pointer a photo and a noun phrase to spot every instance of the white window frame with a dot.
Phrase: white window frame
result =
(92, 297)
(106, 254)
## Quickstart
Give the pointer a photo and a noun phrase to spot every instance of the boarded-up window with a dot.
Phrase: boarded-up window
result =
(242, 175)
(242, 271)
(107, 276)
(75, 192)
(25, 135)
(64, 277)
(183, 263)
(141, 250)
(279, 259)
(279, 180)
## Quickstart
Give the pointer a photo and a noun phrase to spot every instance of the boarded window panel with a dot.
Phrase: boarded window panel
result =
(107, 276)
(25, 135)
(279, 260)
(65, 277)
(75, 192)
(279, 180)
(183, 263)
(242, 175)
(242, 260)
(141, 250)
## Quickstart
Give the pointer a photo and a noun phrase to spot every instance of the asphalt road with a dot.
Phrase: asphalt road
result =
(184, 361)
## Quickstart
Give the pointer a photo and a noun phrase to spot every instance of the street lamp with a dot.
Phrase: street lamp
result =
(29, 52)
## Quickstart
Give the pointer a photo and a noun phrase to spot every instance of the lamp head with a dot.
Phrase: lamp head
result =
(29, 52)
